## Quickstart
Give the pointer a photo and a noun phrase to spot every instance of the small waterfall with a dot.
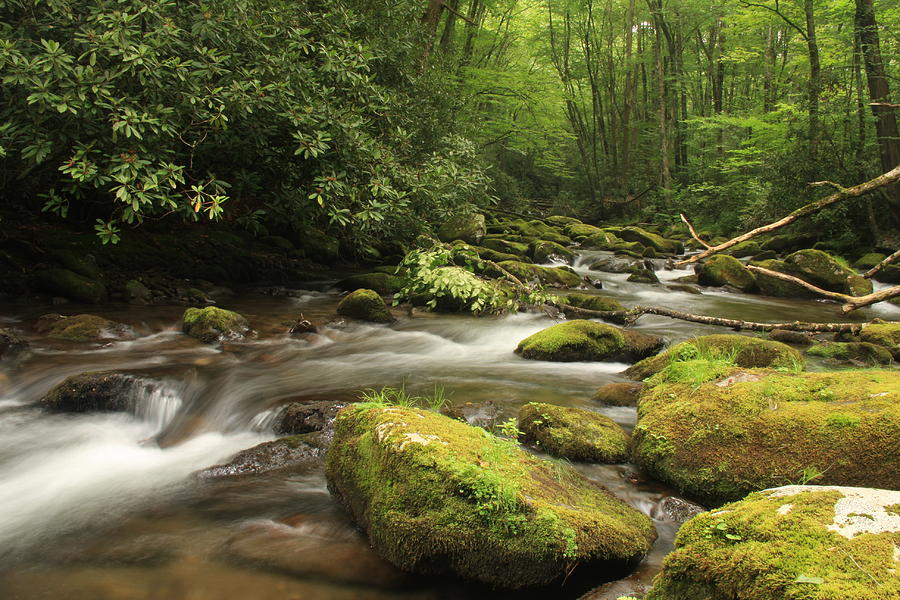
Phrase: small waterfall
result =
(156, 403)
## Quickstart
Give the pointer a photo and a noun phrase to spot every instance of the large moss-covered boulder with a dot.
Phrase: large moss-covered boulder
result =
(779, 288)
(823, 270)
(84, 328)
(578, 231)
(576, 340)
(543, 251)
(595, 302)
(722, 270)
(747, 430)
(506, 247)
(884, 334)
(573, 433)
(649, 239)
(742, 351)
(101, 391)
(562, 221)
(365, 305)
(852, 352)
(436, 496)
(383, 283)
(562, 277)
(792, 542)
(71, 285)
(867, 261)
(468, 228)
(213, 324)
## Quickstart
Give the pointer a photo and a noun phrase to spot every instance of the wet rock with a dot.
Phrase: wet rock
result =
(688, 289)
(71, 285)
(101, 391)
(383, 283)
(553, 276)
(723, 270)
(676, 510)
(596, 302)
(315, 548)
(619, 394)
(797, 338)
(365, 305)
(507, 247)
(573, 433)
(10, 344)
(743, 351)
(576, 340)
(615, 265)
(649, 239)
(643, 275)
(211, 324)
(477, 414)
(282, 454)
(82, 328)
(769, 427)
(579, 231)
(304, 417)
(639, 345)
(437, 496)
(852, 352)
(543, 251)
(822, 542)
(468, 228)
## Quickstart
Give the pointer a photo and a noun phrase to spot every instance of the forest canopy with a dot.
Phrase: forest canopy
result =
(376, 120)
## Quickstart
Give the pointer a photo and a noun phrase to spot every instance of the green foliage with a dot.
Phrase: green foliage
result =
(390, 396)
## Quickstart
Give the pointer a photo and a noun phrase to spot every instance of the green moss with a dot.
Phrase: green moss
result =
(578, 231)
(552, 276)
(604, 241)
(212, 324)
(573, 433)
(437, 496)
(826, 271)
(748, 248)
(506, 247)
(595, 302)
(772, 286)
(744, 351)
(867, 261)
(859, 351)
(643, 275)
(883, 334)
(383, 283)
(722, 270)
(542, 251)
(85, 328)
(488, 254)
(562, 221)
(469, 228)
(648, 239)
(781, 547)
(618, 394)
(573, 341)
(71, 285)
(365, 305)
(761, 428)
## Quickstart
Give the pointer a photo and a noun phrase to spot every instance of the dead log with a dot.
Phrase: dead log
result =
(871, 272)
(851, 303)
(891, 177)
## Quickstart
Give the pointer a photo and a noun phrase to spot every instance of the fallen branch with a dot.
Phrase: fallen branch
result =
(888, 178)
(693, 231)
(632, 315)
(851, 303)
(868, 274)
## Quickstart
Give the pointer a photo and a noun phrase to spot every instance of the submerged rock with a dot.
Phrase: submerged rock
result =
(573, 433)
(676, 510)
(619, 394)
(743, 351)
(746, 430)
(83, 328)
(211, 324)
(437, 496)
(10, 343)
(811, 542)
(365, 305)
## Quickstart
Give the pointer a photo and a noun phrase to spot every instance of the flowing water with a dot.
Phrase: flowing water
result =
(105, 507)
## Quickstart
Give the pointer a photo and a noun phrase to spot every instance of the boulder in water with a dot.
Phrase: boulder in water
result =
(797, 541)
(101, 391)
(643, 275)
(746, 430)
(438, 496)
(365, 305)
(722, 270)
(880, 333)
(619, 394)
(583, 340)
(10, 343)
(562, 277)
(83, 328)
(823, 270)
(282, 454)
(543, 251)
(305, 417)
(573, 433)
(212, 324)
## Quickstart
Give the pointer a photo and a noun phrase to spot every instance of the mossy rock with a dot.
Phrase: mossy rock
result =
(882, 334)
(319, 246)
(506, 247)
(595, 302)
(852, 351)
(796, 338)
(578, 231)
(71, 285)
(743, 350)
(867, 261)
(488, 254)
(87, 328)
(383, 283)
(573, 433)
(889, 274)
(553, 276)
(649, 239)
(543, 251)
(747, 430)
(785, 243)
(213, 324)
(101, 391)
(618, 394)
(639, 345)
(576, 340)
(80, 263)
(276, 241)
(643, 275)
(748, 248)
(437, 496)
(468, 228)
(810, 542)
(722, 270)
(562, 221)
(649, 252)
(824, 271)
(284, 454)
(10, 343)
(779, 288)
(365, 305)
(616, 265)
(603, 241)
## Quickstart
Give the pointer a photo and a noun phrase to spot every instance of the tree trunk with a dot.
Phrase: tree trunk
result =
(815, 83)
(629, 99)
(665, 171)
(449, 26)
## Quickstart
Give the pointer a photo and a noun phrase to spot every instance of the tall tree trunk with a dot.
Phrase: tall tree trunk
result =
(769, 71)
(665, 171)
(879, 91)
(815, 83)
(449, 26)
(430, 19)
(629, 99)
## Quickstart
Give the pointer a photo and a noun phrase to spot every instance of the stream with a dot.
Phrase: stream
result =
(105, 507)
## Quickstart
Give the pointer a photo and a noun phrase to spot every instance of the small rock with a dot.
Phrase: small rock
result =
(304, 417)
(619, 394)
(365, 305)
(211, 324)
(676, 510)
(285, 453)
